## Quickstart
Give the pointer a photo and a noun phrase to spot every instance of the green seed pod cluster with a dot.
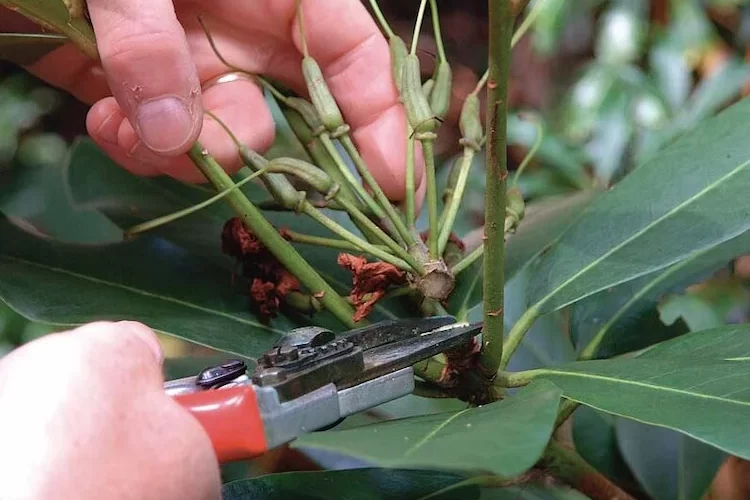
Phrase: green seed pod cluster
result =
(399, 52)
(308, 113)
(418, 109)
(307, 172)
(440, 96)
(470, 123)
(328, 110)
(279, 186)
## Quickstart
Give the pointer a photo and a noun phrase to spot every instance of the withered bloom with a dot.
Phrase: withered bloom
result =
(370, 281)
(270, 282)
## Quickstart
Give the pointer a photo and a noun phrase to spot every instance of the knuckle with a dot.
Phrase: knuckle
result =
(123, 47)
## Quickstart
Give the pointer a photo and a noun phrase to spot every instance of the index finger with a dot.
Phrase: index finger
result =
(355, 60)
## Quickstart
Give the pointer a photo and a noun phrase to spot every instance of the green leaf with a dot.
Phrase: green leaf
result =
(547, 342)
(26, 48)
(54, 15)
(692, 396)
(504, 438)
(147, 280)
(625, 318)
(544, 221)
(595, 440)
(667, 209)
(533, 492)
(96, 183)
(697, 313)
(728, 343)
(36, 194)
(669, 465)
(364, 484)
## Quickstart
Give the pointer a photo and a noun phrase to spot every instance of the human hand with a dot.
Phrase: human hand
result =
(83, 415)
(155, 56)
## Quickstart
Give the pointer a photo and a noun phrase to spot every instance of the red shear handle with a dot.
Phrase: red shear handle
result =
(232, 420)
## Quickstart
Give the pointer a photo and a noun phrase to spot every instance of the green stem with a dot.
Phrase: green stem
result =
(528, 21)
(342, 232)
(430, 369)
(565, 464)
(517, 333)
(432, 209)
(532, 152)
(358, 216)
(566, 410)
(411, 188)
(380, 196)
(448, 217)
(160, 221)
(417, 27)
(320, 241)
(500, 31)
(266, 233)
(516, 379)
(436, 30)
(330, 147)
(381, 19)
(467, 261)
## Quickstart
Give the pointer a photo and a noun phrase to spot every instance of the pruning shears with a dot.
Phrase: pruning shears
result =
(311, 380)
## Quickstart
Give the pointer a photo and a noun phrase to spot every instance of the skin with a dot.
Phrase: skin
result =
(151, 49)
(82, 413)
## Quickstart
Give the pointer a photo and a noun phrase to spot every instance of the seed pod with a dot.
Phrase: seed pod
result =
(276, 184)
(310, 174)
(450, 185)
(322, 99)
(398, 54)
(440, 97)
(417, 107)
(308, 113)
(470, 122)
(427, 88)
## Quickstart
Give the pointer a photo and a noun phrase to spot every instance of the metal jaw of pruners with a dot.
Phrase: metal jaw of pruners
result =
(313, 379)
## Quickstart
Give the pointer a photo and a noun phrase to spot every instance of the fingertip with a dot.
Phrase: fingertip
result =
(382, 144)
(146, 335)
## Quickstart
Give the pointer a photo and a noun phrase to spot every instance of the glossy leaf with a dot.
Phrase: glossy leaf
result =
(364, 484)
(148, 280)
(730, 343)
(26, 48)
(595, 439)
(625, 317)
(54, 15)
(533, 492)
(669, 465)
(544, 221)
(692, 396)
(504, 438)
(96, 183)
(547, 342)
(698, 314)
(667, 209)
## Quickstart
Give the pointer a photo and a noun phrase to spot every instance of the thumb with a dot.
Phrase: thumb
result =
(152, 77)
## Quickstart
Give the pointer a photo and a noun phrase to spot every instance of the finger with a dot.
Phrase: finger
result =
(149, 69)
(69, 69)
(232, 102)
(355, 60)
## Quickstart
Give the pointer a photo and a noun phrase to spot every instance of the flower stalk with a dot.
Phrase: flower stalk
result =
(266, 233)
(501, 18)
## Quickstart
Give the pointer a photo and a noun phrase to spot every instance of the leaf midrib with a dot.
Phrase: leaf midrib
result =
(543, 371)
(138, 291)
(642, 231)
